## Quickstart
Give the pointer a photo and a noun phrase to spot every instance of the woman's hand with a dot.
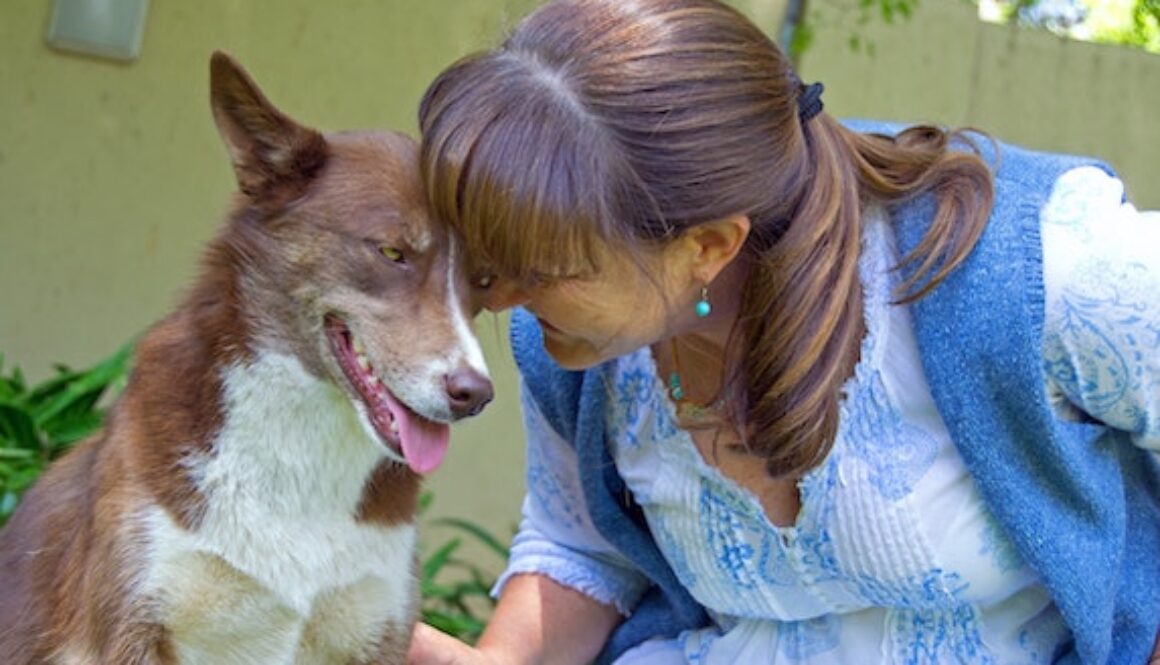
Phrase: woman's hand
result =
(536, 621)
(1155, 659)
(433, 647)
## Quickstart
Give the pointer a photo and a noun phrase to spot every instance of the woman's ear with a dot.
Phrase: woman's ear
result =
(715, 244)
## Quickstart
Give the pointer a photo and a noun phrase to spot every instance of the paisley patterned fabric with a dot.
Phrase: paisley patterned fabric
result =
(893, 557)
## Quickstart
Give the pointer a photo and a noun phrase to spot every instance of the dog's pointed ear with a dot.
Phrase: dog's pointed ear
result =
(270, 152)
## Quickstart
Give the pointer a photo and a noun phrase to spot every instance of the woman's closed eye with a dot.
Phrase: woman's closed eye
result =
(485, 281)
(543, 279)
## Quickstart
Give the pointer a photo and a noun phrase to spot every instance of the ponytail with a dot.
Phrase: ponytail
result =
(801, 322)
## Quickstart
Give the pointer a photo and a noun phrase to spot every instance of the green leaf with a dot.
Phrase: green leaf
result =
(433, 591)
(471, 587)
(64, 433)
(18, 427)
(433, 564)
(83, 385)
(10, 388)
(456, 625)
(803, 37)
(50, 387)
(16, 453)
(22, 478)
(425, 501)
(477, 531)
(39, 422)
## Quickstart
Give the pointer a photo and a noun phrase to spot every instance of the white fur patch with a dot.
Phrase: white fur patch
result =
(279, 541)
(473, 353)
(423, 386)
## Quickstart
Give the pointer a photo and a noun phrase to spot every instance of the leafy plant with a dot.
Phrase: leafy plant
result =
(455, 591)
(38, 423)
(800, 22)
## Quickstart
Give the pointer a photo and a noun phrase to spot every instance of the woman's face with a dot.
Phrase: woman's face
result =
(586, 319)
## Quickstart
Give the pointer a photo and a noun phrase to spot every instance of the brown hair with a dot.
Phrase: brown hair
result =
(632, 120)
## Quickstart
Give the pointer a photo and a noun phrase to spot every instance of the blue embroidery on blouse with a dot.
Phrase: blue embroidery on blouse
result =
(933, 624)
(801, 640)
(1113, 366)
(814, 545)
(723, 516)
(674, 553)
(634, 397)
(774, 564)
(934, 638)
(898, 453)
(934, 590)
(1102, 378)
(731, 523)
(1043, 638)
(639, 403)
(705, 640)
(557, 502)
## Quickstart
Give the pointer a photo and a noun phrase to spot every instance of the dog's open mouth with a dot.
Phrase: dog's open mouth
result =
(422, 443)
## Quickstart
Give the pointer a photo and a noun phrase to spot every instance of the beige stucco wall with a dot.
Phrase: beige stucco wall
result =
(112, 176)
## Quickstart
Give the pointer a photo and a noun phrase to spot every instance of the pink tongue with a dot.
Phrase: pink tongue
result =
(424, 442)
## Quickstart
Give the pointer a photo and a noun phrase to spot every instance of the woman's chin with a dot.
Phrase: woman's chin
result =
(570, 353)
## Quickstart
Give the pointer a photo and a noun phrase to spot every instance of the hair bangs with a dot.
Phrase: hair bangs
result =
(518, 176)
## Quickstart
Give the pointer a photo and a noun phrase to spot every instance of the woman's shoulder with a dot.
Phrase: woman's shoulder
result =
(1098, 249)
(1082, 195)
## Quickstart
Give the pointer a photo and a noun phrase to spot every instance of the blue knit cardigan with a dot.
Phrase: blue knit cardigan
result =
(1078, 500)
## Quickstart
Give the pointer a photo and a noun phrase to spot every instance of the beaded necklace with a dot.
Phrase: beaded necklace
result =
(688, 411)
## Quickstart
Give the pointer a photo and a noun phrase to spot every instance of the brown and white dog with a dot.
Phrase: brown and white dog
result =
(252, 497)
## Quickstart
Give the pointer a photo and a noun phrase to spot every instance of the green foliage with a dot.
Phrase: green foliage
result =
(1125, 22)
(455, 590)
(851, 15)
(38, 423)
(1133, 23)
(888, 9)
(1139, 27)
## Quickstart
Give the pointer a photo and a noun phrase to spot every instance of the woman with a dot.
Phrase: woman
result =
(796, 393)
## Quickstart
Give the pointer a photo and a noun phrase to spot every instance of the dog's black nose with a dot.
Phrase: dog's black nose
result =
(468, 391)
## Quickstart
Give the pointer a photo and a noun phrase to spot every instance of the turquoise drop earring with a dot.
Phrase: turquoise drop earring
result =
(703, 308)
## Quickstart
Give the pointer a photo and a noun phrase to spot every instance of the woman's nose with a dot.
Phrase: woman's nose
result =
(504, 294)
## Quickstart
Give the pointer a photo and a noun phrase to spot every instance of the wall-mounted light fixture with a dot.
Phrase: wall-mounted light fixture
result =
(106, 28)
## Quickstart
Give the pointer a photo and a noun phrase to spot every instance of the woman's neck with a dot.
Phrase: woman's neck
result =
(700, 352)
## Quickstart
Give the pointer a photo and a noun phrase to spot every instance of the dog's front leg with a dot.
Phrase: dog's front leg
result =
(392, 648)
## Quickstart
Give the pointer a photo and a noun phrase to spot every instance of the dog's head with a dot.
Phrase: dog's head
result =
(347, 270)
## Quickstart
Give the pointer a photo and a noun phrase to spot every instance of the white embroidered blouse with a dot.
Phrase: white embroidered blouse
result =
(894, 558)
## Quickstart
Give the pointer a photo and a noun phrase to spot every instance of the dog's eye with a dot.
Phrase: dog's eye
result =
(393, 254)
(485, 281)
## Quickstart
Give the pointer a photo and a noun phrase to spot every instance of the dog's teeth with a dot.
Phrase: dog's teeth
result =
(363, 363)
(394, 427)
(356, 344)
(373, 381)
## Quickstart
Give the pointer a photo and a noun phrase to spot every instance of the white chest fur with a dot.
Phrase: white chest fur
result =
(279, 566)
